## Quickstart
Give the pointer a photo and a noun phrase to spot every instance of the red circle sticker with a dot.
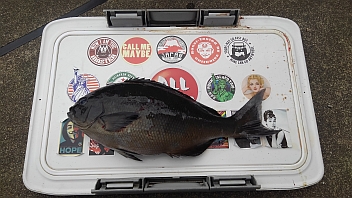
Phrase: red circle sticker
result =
(136, 50)
(178, 79)
(103, 51)
(205, 50)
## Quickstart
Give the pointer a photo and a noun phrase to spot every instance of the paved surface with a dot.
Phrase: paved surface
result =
(326, 31)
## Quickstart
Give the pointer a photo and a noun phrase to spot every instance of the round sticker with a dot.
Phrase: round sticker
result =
(103, 51)
(178, 79)
(253, 83)
(136, 50)
(239, 50)
(171, 49)
(220, 88)
(205, 50)
(81, 85)
(120, 77)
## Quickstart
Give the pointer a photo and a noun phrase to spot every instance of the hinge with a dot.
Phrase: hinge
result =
(172, 17)
(175, 184)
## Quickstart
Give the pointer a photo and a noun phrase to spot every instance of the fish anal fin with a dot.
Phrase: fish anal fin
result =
(243, 142)
(116, 121)
(128, 154)
(197, 150)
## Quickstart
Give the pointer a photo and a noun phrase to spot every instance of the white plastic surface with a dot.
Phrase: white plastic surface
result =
(278, 56)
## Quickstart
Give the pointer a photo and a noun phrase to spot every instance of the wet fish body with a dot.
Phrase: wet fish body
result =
(146, 117)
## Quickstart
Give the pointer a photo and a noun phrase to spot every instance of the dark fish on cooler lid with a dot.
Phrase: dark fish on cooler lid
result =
(144, 117)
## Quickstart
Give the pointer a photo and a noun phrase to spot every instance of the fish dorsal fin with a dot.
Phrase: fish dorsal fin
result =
(159, 85)
(116, 121)
(171, 90)
(210, 110)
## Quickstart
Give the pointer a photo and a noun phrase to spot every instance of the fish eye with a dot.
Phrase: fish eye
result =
(83, 101)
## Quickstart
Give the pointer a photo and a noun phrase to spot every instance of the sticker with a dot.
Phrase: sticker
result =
(220, 88)
(71, 139)
(120, 77)
(95, 148)
(205, 50)
(253, 83)
(136, 50)
(103, 51)
(178, 79)
(171, 49)
(222, 142)
(81, 85)
(277, 119)
(239, 50)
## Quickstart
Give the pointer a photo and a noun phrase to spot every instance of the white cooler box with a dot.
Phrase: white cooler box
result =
(215, 56)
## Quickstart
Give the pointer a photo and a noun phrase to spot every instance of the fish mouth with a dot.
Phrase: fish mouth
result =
(70, 114)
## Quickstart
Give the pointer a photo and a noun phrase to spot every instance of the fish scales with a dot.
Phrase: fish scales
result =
(145, 117)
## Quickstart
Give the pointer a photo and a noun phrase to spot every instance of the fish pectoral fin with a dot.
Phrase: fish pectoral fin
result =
(128, 154)
(116, 121)
(197, 150)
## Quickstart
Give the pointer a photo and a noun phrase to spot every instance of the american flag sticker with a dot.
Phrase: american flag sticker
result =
(81, 85)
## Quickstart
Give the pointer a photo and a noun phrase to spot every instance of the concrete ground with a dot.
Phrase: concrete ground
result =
(327, 38)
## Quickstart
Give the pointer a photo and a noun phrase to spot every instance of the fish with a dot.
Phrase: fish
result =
(145, 117)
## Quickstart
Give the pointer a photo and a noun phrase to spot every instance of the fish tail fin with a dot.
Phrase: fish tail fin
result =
(248, 119)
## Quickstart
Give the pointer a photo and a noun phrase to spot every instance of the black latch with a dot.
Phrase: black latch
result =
(125, 18)
(220, 17)
(118, 186)
(172, 17)
(175, 184)
(233, 183)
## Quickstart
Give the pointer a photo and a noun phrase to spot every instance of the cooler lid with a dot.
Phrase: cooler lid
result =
(202, 48)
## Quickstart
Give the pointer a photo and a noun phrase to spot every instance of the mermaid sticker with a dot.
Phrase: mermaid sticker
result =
(81, 85)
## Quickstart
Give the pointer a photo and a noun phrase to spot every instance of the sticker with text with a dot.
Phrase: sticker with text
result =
(136, 50)
(171, 49)
(71, 139)
(120, 77)
(220, 88)
(178, 79)
(239, 50)
(205, 50)
(103, 51)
